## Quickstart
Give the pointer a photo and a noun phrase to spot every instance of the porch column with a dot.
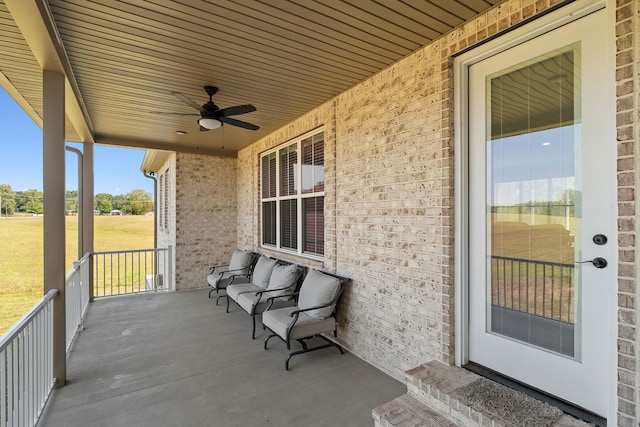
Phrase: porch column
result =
(54, 218)
(87, 208)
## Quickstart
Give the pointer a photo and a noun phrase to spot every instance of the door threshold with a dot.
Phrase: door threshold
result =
(563, 405)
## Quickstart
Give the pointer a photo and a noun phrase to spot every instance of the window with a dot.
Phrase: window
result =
(292, 196)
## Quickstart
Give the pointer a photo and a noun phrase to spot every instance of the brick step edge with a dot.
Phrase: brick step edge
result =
(433, 384)
(406, 411)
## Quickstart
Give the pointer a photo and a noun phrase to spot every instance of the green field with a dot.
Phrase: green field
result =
(21, 265)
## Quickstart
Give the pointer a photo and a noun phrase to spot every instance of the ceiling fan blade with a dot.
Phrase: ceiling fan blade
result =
(238, 123)
(188, 101)
(169, 113)
(238, 109)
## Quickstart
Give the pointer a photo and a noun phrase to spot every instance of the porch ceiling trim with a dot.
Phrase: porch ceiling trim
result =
(123, 59)
(35, 21)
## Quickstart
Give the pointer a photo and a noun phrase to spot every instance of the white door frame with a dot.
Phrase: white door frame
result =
(461, 66)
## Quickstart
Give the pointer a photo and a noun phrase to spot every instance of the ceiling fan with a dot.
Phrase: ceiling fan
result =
(211, 116)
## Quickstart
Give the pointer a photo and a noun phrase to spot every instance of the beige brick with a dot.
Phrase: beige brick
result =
(389, 196)
(204, 205)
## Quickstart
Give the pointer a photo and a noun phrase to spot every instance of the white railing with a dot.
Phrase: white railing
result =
(132, 271)
(77, 288)
(26, 350)
(26, 365)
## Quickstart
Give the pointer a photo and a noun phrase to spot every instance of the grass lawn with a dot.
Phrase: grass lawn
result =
(21, 265)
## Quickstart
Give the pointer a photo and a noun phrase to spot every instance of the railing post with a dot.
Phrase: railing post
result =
(170, 269)
(78, 299)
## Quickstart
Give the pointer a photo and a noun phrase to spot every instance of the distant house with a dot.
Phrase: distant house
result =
(115, 212)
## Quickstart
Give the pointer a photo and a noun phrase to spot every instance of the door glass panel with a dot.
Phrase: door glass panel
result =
(533, 202)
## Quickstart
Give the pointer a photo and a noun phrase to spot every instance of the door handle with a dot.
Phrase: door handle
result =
(597, 262)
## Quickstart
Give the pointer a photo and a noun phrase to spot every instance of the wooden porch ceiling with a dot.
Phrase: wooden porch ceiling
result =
(285, 57)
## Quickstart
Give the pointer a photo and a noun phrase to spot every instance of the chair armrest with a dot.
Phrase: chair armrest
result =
(232, 277)
(270, 300)
(264, 291)
(333, 301)
(279, 296)
(213, 267)
(237, 274)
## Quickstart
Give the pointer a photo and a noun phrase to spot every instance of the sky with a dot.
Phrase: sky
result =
(116, 169)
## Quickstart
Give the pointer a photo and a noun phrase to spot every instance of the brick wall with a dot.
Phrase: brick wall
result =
(395, 213)
(391, 195)
(627, 97)
(205, 206)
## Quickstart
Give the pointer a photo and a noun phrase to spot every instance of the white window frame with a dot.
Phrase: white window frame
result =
(299, 197)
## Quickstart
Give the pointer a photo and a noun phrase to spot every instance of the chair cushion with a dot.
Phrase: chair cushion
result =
(234, 290)
(283, 276)
(240, 260)
(262, 271)
(318, 289)
(213, 279)
(248, 302)
(306, 326)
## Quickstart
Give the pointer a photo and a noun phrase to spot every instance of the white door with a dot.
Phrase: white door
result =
(541, 198)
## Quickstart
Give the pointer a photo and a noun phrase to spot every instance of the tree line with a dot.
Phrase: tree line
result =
(136, 202)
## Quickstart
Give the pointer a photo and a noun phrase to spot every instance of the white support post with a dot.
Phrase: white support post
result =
(53, 131)
(87, 208)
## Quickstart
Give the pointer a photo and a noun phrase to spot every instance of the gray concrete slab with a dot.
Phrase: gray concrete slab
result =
(180, 360)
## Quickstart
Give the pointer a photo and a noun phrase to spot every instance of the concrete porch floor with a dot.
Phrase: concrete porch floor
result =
(180, 360)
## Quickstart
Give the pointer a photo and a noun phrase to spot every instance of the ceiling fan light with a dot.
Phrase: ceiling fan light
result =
(209, 123)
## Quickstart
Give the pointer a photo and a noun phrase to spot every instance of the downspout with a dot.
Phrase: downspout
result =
(151, 175)
(80, 198)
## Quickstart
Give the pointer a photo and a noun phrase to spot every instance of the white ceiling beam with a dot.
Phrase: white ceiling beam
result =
(162, 146)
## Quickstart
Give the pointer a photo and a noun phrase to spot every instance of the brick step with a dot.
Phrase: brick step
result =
(441, 395)
(407, 411)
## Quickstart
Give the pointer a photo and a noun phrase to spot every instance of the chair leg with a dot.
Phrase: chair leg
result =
(221, 296)
(253, 331)
(212, 289)
(267, 340)
(286, 363)
(305, 349)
